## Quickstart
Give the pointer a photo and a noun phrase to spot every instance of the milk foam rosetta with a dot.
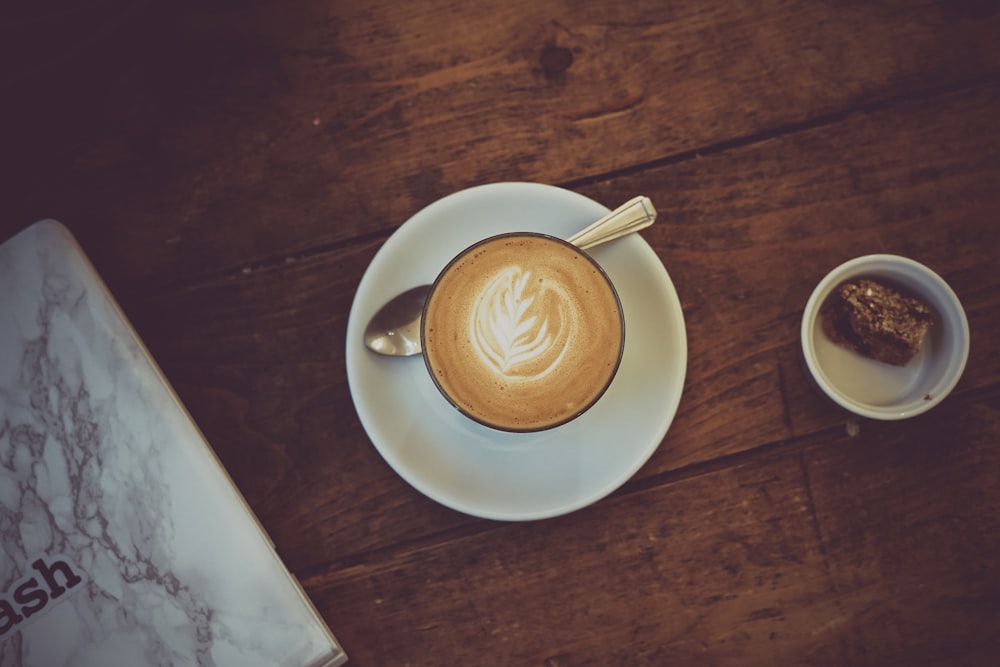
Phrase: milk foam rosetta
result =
(522, 332)
(521, 329)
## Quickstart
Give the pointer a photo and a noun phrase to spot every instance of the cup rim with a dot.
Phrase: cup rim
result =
(568, 418)
(917, 278)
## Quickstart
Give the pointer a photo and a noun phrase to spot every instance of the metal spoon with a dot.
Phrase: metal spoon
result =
(395, 329)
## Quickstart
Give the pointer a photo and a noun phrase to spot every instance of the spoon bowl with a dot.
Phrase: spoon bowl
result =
(395, 329)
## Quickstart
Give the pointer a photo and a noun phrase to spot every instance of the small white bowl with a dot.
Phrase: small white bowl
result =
(874, 389)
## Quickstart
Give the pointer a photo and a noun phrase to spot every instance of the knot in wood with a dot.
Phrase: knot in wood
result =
(555, 60)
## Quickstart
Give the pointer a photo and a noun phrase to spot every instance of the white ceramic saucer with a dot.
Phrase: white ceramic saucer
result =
(509, 476)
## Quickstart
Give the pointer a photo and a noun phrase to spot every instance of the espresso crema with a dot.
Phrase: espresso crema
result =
(522, 332)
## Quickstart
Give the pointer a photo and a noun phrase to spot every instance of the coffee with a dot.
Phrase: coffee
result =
(522, 332)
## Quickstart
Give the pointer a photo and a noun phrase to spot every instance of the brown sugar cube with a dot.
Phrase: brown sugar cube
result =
(877, 321)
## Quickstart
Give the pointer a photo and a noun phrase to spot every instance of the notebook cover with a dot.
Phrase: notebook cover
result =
(125, 542)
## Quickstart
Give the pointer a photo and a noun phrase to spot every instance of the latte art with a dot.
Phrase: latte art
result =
(512, 334)
(522, 332)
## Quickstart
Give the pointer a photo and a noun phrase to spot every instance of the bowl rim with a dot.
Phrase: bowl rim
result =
(918, 277)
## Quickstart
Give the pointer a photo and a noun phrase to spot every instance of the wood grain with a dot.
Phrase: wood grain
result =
(310, 123)
(786, 559)
(745, 232)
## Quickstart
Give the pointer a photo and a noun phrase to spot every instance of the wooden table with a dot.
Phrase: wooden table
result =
(232, 168)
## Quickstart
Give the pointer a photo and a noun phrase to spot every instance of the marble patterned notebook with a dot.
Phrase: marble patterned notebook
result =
(124, 540)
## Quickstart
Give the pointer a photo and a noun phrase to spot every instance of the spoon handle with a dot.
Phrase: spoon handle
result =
(633, 215)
